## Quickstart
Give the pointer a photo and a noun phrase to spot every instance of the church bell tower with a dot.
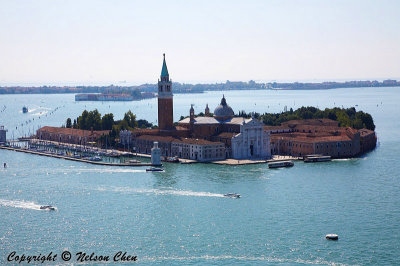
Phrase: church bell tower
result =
(165, 103)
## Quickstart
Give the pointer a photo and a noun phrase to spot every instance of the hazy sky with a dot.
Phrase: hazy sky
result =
(93, 42)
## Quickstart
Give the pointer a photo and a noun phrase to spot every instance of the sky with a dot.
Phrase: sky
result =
(73, 42)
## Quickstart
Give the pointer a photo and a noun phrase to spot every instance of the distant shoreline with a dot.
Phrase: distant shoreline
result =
(180, 88)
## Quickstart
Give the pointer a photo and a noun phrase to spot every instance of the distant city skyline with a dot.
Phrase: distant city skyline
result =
(121, 42)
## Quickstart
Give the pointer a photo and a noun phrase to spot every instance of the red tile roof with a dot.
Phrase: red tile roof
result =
(177, 140)
(310, 138)
(73, 131)
(365, 132)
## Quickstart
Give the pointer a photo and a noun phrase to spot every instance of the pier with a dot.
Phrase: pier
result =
(72, 158)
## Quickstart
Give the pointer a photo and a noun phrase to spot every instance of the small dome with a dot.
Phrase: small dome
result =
(223, 111)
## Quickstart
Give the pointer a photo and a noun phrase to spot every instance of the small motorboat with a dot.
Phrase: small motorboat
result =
(232, 195)
(95, 159)
(154, 169)
(171, 159)
(134, 161)
(332, 237)
(47, 207)
(24, 109)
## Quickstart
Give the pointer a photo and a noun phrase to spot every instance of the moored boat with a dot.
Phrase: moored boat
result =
(95, 159)
(280, 164)
(313, 159)
(171, 159)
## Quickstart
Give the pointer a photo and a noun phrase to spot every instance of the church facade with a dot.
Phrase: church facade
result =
(243, 138)
(252, 141)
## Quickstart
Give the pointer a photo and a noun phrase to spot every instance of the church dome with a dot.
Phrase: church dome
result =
(223, 111)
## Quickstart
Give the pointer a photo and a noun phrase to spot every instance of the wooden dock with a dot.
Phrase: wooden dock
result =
(73, 159)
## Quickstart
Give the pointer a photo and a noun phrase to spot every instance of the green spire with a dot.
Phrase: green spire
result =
(164, 71)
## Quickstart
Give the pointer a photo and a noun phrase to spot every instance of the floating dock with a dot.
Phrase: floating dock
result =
(73, 159)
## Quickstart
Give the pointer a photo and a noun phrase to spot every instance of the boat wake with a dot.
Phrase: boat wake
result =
(108, 170)
(241, 258)
(21, 204)
(40, 113)
(162, 192)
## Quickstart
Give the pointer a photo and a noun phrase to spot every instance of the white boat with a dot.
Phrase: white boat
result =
(280, 164)
(332, 237)
(95, 159)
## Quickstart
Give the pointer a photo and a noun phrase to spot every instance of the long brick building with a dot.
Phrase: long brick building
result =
(320, 136)
(70, 135)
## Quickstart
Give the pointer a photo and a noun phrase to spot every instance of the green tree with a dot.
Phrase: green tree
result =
(82, 120)
(130, 118)
(68, 123)
(107, 121)
(144, 124)
(94, 120)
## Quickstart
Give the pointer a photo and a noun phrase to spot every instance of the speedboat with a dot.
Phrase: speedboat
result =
(47, 207)
(232, 195)
(154, 169)
(24, 109)
(332, 237)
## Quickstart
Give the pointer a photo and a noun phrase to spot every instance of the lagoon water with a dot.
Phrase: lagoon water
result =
(181, 217)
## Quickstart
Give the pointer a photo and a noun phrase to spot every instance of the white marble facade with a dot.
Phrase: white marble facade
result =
(252, 141)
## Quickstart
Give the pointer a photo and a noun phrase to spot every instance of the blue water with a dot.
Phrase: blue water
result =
(181, 217)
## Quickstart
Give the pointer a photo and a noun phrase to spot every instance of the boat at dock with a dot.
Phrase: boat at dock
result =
(319, 158)
(171, 159)
(134, 161)
(280, 164)
(95, 159)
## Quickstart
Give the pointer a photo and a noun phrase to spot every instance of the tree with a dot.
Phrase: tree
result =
(144, 123)
(82, 120)
(130, 118)
(68, 123)
(107, 121)
(94, 120)
(75, 125)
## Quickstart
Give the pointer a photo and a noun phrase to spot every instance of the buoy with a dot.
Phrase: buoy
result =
(332, 237)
